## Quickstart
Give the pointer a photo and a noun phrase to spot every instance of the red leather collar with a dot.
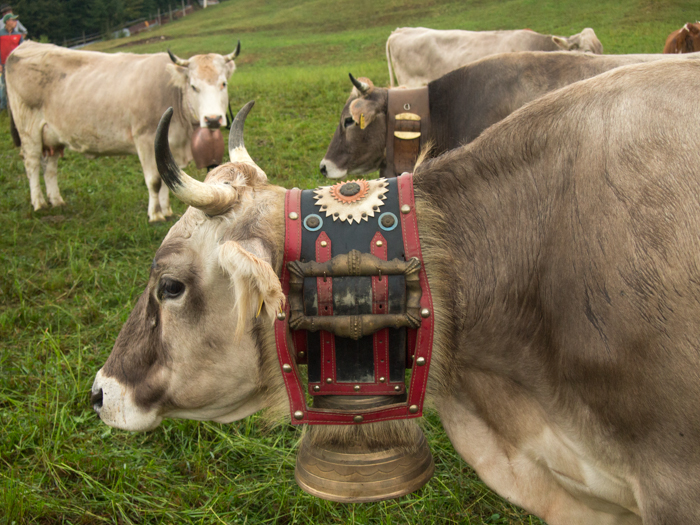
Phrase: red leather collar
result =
(419, 353)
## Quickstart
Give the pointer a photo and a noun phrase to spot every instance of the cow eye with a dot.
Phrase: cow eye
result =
(194, 88)
(223, 85)
(349, 122)
(170, 289)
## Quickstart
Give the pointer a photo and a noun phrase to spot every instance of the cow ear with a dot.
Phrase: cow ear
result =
(561, 42)
(692, 29)
(363, 112)
(257, 287)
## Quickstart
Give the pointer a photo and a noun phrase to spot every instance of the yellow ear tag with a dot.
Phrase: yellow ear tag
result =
(362, 121)
(259, 309)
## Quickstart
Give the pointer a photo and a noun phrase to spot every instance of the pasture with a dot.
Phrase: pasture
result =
(71, 276)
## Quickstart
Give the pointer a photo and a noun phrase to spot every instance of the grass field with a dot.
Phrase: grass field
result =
(71, 275)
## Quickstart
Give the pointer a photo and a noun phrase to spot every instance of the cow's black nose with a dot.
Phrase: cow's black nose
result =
(324, 171)
(213, 122)
(96, 400)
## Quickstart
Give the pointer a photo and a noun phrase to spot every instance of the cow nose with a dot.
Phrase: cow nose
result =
(213, 122)
(96, 400)
(324, 170)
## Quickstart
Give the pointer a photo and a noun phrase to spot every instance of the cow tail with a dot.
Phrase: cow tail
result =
(13, 128)
(388, 60)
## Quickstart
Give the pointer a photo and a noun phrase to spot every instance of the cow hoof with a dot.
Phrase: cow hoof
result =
(42, 205)
(168, 213)
(157, 217)
(57, 203)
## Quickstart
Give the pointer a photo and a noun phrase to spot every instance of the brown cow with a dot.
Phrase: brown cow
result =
(684, 40)
(561, 248)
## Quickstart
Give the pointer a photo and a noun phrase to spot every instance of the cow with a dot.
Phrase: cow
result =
(561, 247)
(684, 40)
(109, 104)
(417, 55)
(463, 103)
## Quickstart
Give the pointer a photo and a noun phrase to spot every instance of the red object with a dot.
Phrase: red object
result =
(423, 336)
(8, 43)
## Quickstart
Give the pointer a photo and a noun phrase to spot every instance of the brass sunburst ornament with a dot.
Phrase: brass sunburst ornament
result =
(350, 201)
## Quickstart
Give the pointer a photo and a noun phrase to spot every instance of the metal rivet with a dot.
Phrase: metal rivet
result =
(407, 106)
(358, 419)
(302, 354)
(413, 409)
(356, 388)
(425, 313)
(420, 361)
(298, 414)
(281, 316)
(397, 388)
(380, 243)
(294, 215)
(405, 209)
(324, 244)
(382, 379)
(317, 388)
(329, 380)
(349, 215)
(286, 367)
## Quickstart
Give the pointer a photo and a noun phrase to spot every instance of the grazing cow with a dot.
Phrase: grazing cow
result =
(417, 55)
(109, 104)
(561, 247)
(684, 40)
(463, 103)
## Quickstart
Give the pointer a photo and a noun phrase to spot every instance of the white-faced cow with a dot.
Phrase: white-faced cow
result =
(109, 104)
(561, 247)
(417, 55)
(462, 103)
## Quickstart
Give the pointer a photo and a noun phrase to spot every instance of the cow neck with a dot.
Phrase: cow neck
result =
(408, 128)
(184, 113)
(420, 340)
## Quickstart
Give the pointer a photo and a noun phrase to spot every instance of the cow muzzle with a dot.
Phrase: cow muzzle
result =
(331, 171)
(213, 121)
(114, 403)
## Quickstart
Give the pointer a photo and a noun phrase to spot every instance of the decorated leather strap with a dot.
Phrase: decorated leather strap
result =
(413, 407)
(407, 128)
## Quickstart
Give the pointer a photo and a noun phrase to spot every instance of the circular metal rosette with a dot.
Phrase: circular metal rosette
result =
(355, 200)
(313, 222)
(388, 221)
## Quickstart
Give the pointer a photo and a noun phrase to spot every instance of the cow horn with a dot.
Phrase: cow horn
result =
(236, 148)
(178, 60)
(213, 199)
(362, 87)
(233, 55)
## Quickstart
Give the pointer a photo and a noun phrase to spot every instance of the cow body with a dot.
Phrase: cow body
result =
(109, 104)
(684, 40)
(417, 55)
(463, 103)
(561, 248)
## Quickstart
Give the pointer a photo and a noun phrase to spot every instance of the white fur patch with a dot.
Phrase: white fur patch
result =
(118, 408)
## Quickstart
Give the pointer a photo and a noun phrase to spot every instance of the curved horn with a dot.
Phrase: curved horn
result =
(236, 147)
(362, 87)
(213, 199)
(178, 60)
(233, 55)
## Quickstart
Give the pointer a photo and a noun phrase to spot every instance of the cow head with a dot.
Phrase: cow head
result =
(191, 347)
(358, 146)
(688, 39)
(203, 80)
(586, 42)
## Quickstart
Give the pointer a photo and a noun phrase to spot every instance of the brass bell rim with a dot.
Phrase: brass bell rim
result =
(362, 477)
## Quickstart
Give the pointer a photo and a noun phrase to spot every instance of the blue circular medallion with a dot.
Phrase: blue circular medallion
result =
(313, 222)
(388, 221)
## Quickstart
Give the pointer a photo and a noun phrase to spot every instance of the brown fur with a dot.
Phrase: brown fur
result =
(684, 40)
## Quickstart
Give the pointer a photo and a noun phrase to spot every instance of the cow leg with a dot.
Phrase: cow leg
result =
(144, 148)
(32, 165)
(51, 181)
(164, 198)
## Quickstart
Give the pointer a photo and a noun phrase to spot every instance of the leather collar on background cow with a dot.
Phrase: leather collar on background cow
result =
(358, 309)
(408, 128)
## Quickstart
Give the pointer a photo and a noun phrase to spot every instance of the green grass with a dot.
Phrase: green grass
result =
(71, 276)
